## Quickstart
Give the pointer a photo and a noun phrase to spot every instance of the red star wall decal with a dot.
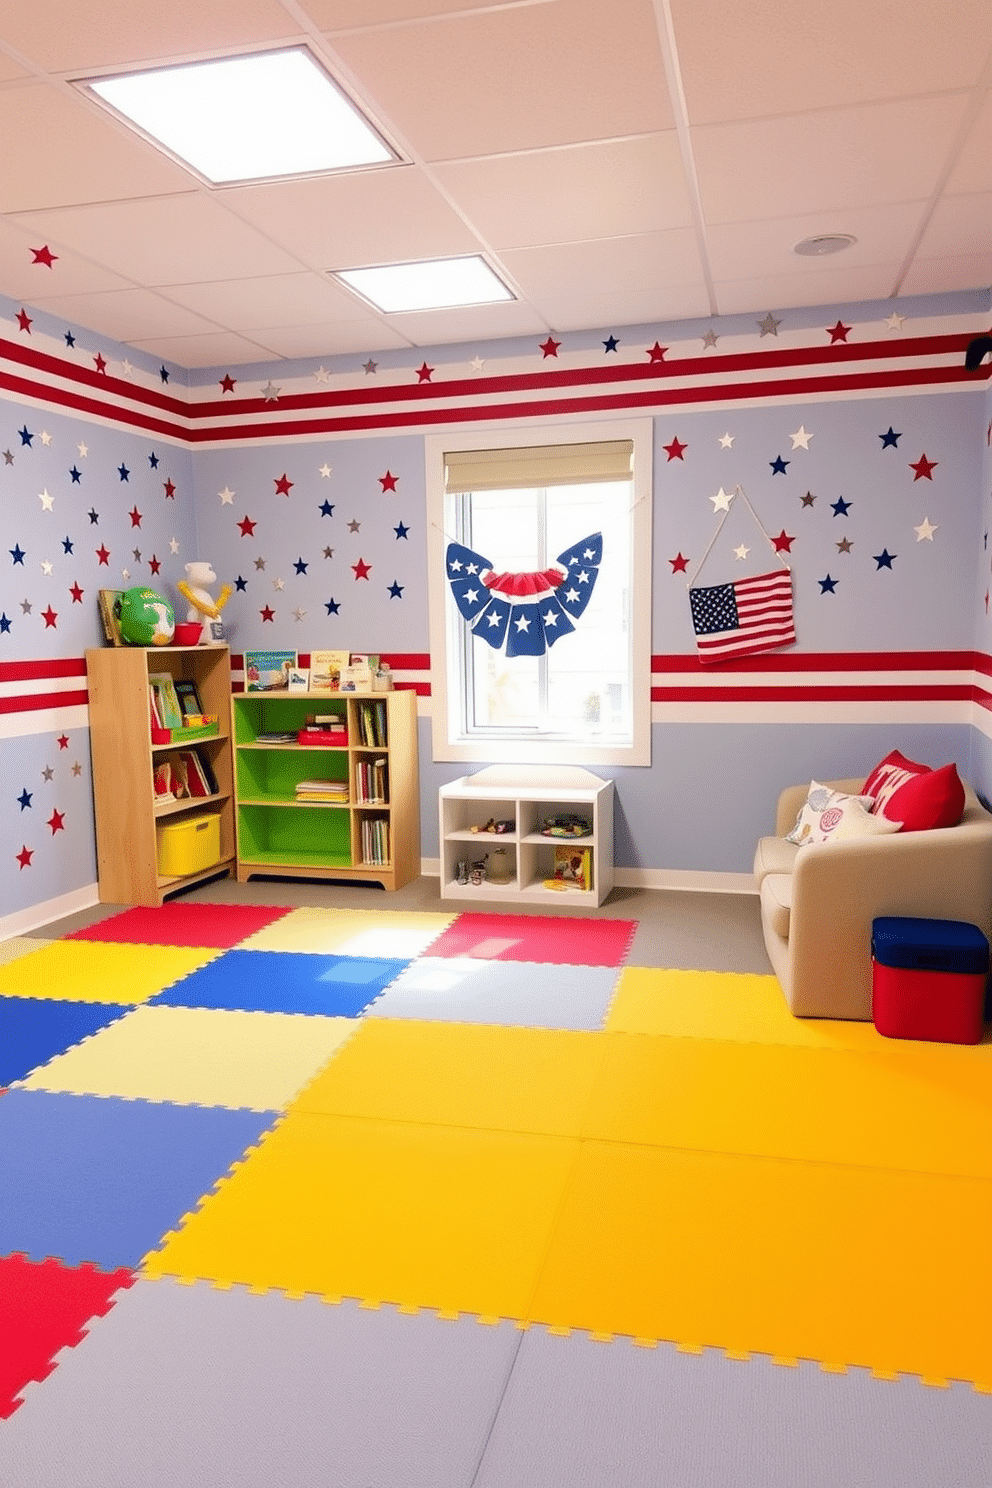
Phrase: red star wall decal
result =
(679, 564)
(49, 616)
(170, 490)
(63, 741)
(44, 256)
(267, 613)
(103, 554)
(550, 347)
(24, 321)
(284, 485)
(247, 527)
(424, 372)
(101, 365)
(227, 383)
(154, 564)
(388, 481)
(923, 467)
(837, 332)
(657, 353)
(783, 543)
(57, 822)
(24, 856)
(676, 450)
(77, 594)
(362, 569)
(135, 516)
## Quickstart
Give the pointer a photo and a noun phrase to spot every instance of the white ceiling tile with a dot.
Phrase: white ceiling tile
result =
(973, 168)
(277, 299)
(11, 69)
(944, 275)
(358, 218)
(959, 225)
(71, 38)
(126, 314)
(145, 239)
(644, 261)
(473, 322)
(23, 278)
(771, 57)
(222, 349)
(583, 191)
(335, 15)
(332, 338)
(817, 286)
(515, 78)
(625, 307)
(738, 250)
(66, 153)
(852, 157)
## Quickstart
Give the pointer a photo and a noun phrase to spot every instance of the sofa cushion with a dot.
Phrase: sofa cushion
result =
(776, 902)
(831, 816)
(917, 797)
(773, 855)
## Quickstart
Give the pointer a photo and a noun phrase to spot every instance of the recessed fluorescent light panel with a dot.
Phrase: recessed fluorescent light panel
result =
(431, 285)
(247, 118)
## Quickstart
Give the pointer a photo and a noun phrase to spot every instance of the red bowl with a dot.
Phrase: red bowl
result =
(187, 634)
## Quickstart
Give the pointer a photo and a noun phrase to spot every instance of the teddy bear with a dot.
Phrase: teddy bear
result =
(201, 607)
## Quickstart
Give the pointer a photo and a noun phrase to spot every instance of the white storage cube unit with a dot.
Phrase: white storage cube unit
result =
(525, 795)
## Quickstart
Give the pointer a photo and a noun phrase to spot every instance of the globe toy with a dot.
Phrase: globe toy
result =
(145, 618)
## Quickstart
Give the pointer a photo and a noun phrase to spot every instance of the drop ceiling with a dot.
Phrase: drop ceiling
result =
(618, 162)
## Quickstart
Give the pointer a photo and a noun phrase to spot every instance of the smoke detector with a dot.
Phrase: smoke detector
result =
(824, 243)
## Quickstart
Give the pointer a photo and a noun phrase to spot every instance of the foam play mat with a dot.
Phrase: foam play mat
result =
(436, 1121)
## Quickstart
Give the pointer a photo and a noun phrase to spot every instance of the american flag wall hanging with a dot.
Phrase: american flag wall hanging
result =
(526, 612)
(743, 616)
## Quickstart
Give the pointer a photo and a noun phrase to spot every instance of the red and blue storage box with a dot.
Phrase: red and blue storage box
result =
(928, 979)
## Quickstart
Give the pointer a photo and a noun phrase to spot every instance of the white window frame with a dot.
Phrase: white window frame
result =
(448, 744)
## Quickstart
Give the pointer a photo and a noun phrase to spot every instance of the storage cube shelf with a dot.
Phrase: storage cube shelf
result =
(525, 796)
(282, 831)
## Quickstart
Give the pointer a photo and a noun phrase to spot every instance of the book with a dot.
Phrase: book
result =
(268, 671)
(189, 698)
(196, 773)
(110, 622)
(572, 868)
(325, 670)
(170, 712)
(299, 679)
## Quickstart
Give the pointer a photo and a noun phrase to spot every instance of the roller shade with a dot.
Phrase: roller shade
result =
(537, 465)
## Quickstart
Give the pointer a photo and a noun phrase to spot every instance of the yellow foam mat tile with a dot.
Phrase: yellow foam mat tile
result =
(461, 1074)
(418, 1216)
(732, 1005)
(319, 930)
(848, 1266)
(19, 945)
(91, 971)
(198, 1056)
(898, 1110)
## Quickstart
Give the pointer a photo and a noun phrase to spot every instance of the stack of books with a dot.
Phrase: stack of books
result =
(370, 782)
(333, 791)
(375, 842)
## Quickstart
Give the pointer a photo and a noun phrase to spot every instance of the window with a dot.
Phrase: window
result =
(540, 589)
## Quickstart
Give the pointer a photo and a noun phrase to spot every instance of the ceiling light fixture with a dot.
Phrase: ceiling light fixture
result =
(824, 243)
(437, 284)
(248, 118)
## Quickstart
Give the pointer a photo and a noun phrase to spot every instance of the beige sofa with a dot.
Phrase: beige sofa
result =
(818, 903)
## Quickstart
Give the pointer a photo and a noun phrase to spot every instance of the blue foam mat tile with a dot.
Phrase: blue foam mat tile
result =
(99, 1179)
(284, 982)
(584, 1414)
(515, 993)
(34, 1030)
(190, 1385)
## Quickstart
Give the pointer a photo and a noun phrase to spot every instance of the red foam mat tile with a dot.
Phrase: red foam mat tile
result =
(556, 940)
(44, 1307)
(218, 926)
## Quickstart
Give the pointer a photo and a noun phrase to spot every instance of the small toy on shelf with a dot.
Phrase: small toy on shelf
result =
(201, 605)
(477, 872)
(567, 825)
(494, 826)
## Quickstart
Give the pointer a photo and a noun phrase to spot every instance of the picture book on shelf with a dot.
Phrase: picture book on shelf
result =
(325, 670)
(268, 671)
(189, 697)
(170, 711)
(572, 868)
(299, 679)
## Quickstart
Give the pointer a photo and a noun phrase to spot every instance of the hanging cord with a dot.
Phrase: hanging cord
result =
(737, 491)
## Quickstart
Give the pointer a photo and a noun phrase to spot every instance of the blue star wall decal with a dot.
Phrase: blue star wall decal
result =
(17, 553)
(400, 530)
(4, 625)
(67, 545)
(25, 798)
(827, 585)
(778, 465)
(332, 607)
(70, 339)
(163, 372)
(884, 558)
(94, 516)
(890, 438)
(26, 438)
(840, 507)
(396, 590)
(240, 584)
(611, 343)
(300, 566)
(326, 509)
(76, 475)
(123, 472)
(153, 460)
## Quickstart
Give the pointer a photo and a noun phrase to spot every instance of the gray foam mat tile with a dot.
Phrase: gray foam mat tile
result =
(197, 1386)
(584, 1414)
(516, 993)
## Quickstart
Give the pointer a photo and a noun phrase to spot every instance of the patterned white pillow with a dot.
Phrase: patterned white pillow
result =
(832, 816)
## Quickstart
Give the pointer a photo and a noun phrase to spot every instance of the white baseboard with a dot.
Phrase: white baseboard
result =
(38, 915)
(686, 880)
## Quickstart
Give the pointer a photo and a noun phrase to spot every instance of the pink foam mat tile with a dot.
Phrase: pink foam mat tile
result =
(555, 940)
(219, 926)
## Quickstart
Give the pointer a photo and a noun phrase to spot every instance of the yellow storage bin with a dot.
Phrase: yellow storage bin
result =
(188, 844)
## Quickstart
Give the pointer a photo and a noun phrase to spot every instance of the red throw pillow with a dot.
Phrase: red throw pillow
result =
(915, 795)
